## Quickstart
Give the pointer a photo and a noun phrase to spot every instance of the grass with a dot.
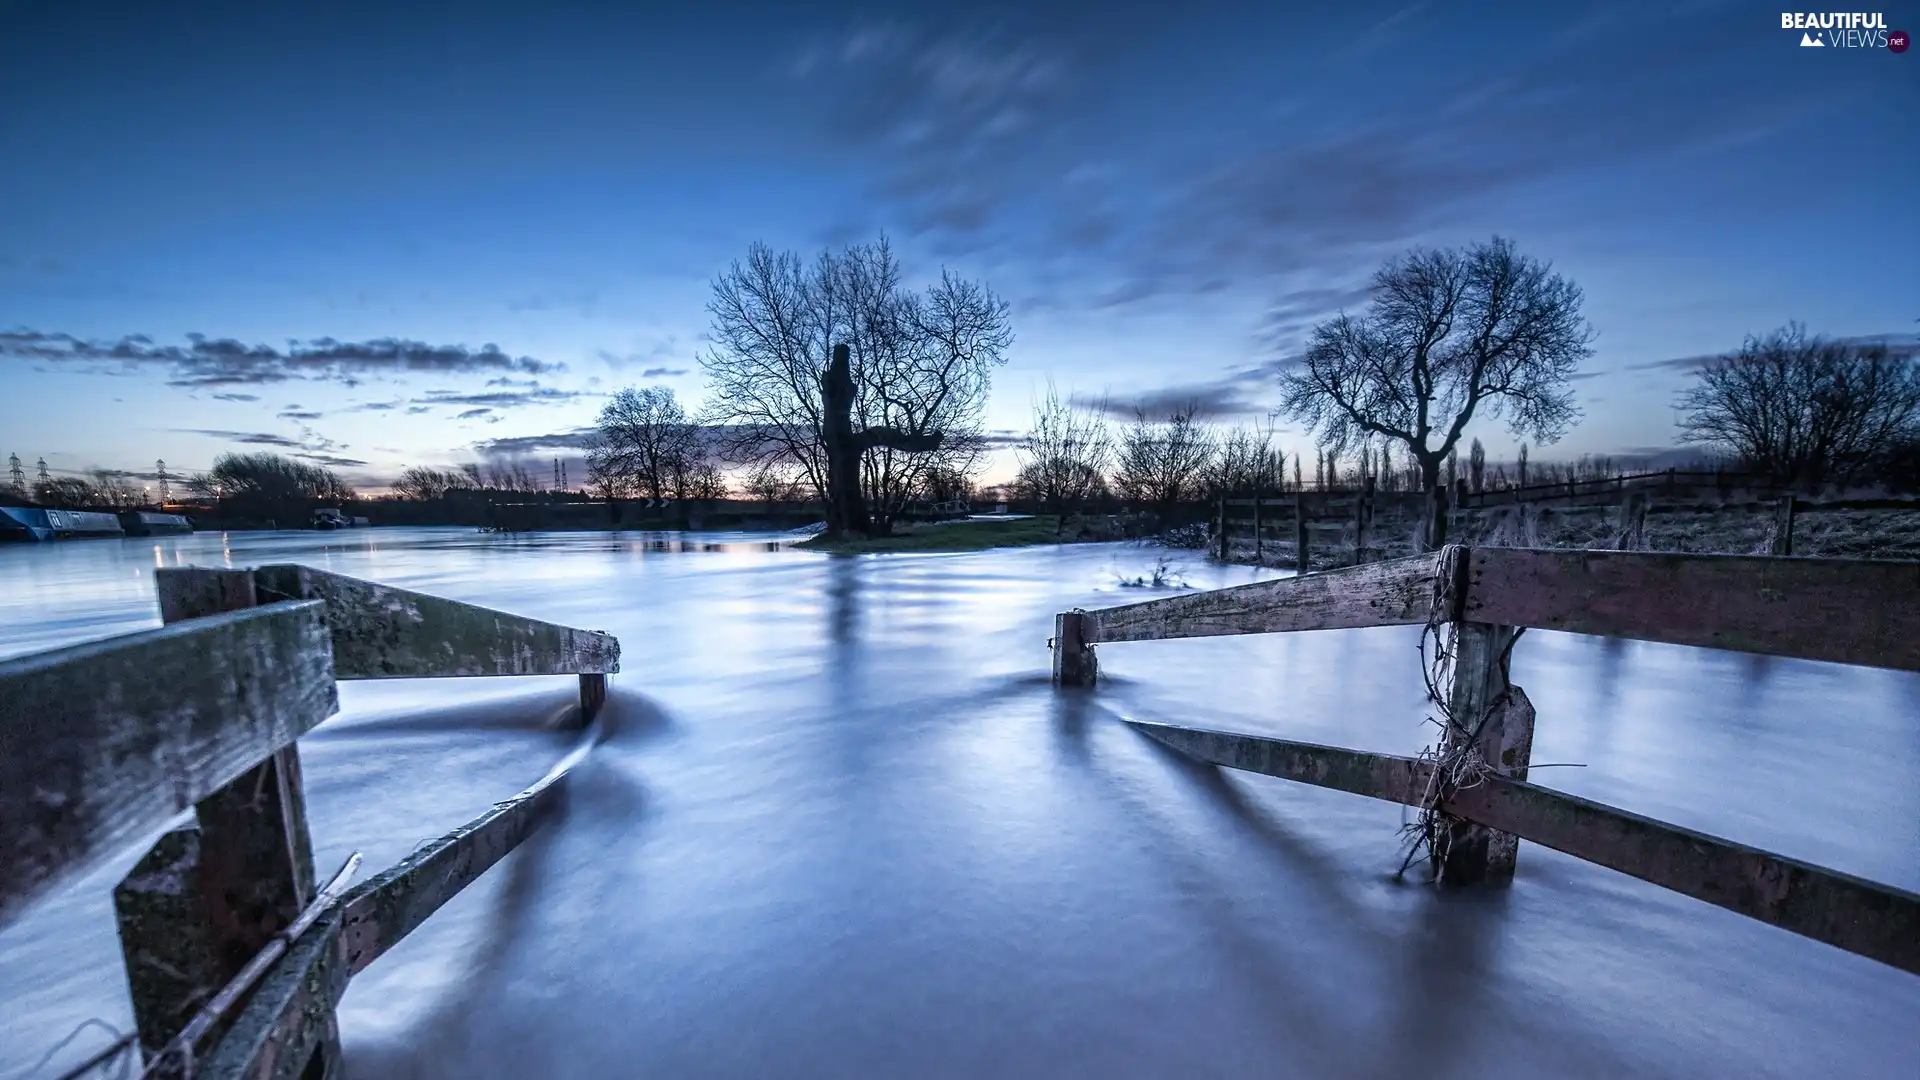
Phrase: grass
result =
(952, 536)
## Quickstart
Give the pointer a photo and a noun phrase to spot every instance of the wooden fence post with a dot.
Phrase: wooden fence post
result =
(209, 896)
(1783, 512)
(1258, 548)
(1633, 521)
(1362, 518)
(1301, 560)
(1073, 660)
(1221, 532)
(1485, 711)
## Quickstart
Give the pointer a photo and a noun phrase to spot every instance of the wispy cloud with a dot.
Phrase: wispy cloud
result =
(515, 446)
(206, 361)
(534, 395)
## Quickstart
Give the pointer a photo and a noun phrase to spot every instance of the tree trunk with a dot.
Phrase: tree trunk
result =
(1433, 519)
(846, 508)
(846, 505)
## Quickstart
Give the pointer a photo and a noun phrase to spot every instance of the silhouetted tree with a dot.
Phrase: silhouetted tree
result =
(1164, 462)
(1804, 410)
(427, 484)
(1477, 466)
(645, 435)
(908, 396)
(265, 486)
(1064, 456)
(1448, 335)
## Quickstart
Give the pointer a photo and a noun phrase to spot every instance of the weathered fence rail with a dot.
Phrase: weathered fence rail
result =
(1839, 610)
(102, 743)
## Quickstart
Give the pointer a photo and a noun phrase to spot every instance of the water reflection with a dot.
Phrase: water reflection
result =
(846, 827)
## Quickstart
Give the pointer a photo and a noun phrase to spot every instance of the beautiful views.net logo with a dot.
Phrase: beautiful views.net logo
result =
(1844, 30)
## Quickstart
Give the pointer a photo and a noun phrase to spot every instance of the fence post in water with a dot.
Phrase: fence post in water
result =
(593, 694)
(1783, 525)
(209, 896)
(1073, 660)
(1258, 550)
(1487, 713)
(1301, 561)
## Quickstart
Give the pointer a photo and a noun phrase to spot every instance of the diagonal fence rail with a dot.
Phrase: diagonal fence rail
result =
(102, 743)
(1837, 610)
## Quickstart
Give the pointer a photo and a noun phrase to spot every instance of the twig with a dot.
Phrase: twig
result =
(101, 1057)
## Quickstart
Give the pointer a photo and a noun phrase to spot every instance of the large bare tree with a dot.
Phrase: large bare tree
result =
(1448, 336)
(1807, 411)
(645, 436)
(837, 370)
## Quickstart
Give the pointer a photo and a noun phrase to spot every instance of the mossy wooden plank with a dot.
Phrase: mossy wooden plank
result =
(383, 632)
(1849, 611)
(1877, 921)
(1392, 593)
(101, 743)
(290, 1016)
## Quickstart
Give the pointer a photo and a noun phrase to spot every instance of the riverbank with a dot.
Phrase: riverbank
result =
(949, 536)
(1839, 531)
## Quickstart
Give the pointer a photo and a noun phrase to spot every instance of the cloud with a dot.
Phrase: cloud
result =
(979, 135)
(415, 410)
(206, 361)
(474, 414)
(515, 446)
(1247, 392)
(536, 395)
(1897, 345)
(236, 397)
(666, 349)
(329, 459)
(250, 438)
(300, 414)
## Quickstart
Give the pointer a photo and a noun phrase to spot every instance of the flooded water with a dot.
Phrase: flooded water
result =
(845, 828)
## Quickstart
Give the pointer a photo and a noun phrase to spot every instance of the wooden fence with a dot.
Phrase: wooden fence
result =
(1671, 483)
(1293, 520)
(1838, 610)
(104, 742)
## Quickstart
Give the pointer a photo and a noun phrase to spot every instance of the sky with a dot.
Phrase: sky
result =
(380, 235)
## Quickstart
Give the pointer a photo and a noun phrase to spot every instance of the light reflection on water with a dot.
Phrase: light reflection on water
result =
(846, 828)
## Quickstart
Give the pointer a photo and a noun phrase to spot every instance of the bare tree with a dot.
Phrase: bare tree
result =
(1247, 460)
(65, 493)
(1805, 411)
(1477, 466)
(698, 480)
(865, 424)
(1448, 335)
(776, 483)
(426, 484)
(1164, 462)
(1064, 457)
(645, 434)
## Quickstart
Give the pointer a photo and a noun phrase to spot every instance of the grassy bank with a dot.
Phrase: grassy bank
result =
(952, 536)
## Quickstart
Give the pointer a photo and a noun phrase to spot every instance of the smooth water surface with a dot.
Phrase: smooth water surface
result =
(845, 828)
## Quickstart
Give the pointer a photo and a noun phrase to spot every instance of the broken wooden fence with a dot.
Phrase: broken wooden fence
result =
(103, 742)
(1291, 521)
(1838, 610)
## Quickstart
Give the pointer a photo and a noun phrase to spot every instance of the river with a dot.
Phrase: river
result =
(844, 827)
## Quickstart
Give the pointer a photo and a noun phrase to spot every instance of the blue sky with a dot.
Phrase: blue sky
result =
(1169, 195)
